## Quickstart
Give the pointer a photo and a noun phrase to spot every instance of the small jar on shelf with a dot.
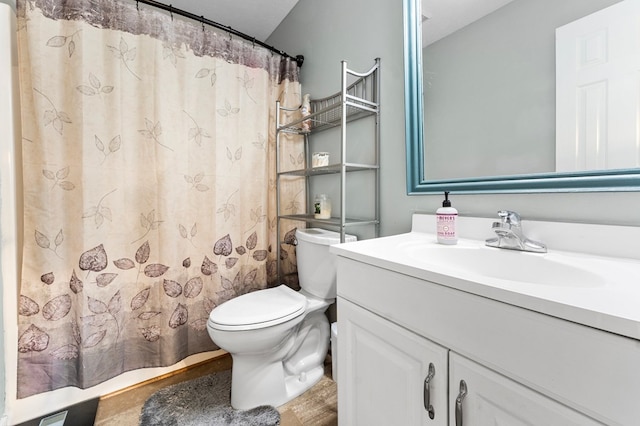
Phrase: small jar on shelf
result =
(322, 207)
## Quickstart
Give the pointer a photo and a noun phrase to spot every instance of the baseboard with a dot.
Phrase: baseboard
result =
(219, 357)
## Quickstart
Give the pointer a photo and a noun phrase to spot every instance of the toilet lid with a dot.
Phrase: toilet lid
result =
(259, 309)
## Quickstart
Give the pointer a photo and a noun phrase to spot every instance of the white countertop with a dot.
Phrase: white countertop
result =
(613, 305)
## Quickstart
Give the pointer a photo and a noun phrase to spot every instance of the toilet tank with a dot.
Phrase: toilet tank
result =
(316, 266)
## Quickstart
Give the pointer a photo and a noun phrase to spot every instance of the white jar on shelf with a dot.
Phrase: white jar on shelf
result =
(322, 207)
(320, 159)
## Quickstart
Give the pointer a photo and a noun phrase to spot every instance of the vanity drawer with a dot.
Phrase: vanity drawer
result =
(592, 371)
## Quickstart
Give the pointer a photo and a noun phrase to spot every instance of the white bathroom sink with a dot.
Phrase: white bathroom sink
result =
(590, 274)
(551, 269)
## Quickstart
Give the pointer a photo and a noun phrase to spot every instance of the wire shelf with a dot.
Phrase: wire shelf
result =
(360, 101)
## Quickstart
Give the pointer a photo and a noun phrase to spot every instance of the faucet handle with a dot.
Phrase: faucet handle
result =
(508, 216)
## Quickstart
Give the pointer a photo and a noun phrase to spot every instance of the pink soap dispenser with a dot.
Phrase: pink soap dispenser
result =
(446, 217)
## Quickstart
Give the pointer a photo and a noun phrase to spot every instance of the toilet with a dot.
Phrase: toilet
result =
(278, 338)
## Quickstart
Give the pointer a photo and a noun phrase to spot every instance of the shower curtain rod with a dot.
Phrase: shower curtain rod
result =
(169, 8)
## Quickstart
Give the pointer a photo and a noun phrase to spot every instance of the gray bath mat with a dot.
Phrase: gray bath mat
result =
(202, 401)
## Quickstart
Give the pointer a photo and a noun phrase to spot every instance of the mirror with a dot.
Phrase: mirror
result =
(525, 171)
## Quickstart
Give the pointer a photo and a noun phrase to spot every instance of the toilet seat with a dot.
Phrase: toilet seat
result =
(259, 309)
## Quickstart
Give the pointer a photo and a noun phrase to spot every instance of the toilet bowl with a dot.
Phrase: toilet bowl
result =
(278, 338)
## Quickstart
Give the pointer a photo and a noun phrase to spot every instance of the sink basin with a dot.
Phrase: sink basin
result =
(590, 274)
(552, 269)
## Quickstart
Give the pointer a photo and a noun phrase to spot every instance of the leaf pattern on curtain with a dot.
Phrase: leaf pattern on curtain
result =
(149, 186)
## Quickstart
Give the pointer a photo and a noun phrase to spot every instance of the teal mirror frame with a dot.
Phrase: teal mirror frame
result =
(591, 181)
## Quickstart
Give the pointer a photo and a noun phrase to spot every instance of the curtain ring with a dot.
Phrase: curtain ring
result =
(171, 11)
(138, 5)
(202, 22)
(254, 42)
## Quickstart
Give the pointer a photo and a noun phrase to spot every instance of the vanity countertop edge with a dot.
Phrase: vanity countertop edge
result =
(614, 307)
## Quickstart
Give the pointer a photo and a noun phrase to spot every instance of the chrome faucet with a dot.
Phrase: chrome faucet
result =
(510, 236)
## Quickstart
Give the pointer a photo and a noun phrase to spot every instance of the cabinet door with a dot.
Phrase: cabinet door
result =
(382, 369)
(492, 399)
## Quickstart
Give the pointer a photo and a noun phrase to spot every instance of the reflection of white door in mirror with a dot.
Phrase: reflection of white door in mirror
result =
(598, 90)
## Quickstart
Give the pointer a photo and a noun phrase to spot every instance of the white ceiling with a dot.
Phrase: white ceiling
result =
(256, 18)
(259, 18)
(442, 17)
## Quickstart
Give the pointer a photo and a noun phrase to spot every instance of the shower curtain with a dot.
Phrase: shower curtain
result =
(149, 185)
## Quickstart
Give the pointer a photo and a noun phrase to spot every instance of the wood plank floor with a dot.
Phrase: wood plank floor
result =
(317, 407)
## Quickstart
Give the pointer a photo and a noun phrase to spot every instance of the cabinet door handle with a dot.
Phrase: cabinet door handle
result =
(461, 395)
(427, 392)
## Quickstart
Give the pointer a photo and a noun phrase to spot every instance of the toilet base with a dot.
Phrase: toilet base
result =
(277, 377)
(296, 386)
(264, 385)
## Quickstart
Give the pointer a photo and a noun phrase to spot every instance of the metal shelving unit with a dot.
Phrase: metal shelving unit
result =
(356, 100)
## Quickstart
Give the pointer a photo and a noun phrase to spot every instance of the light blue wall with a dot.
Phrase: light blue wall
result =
(360, 30)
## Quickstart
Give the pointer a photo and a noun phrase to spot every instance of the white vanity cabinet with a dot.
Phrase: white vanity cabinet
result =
(481, 397)
(520, 367)
(391, 376)
(394, 376)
